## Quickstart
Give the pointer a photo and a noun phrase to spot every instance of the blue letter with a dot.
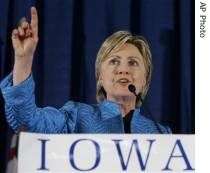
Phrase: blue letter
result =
(183, 155)
(43, 142)
(135, 144)
(98, 157)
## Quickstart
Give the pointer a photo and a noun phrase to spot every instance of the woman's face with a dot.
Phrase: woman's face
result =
(120, 69)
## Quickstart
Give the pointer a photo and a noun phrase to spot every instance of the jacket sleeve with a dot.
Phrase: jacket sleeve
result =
(22, 112)
(166, 129)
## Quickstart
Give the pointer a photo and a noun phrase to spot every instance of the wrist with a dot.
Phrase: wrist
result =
(21, 71)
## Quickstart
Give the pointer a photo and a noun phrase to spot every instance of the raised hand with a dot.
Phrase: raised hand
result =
(25, 37)
(24, 41)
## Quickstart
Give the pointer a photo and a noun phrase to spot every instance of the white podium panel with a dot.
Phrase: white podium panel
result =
(113, 153)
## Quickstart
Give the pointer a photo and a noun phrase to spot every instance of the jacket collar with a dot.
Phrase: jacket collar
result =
(113, 108)
(110, 106)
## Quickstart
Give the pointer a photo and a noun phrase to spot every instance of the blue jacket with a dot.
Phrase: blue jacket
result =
(73, 117)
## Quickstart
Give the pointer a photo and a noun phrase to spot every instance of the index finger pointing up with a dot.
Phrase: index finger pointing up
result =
(34, 21)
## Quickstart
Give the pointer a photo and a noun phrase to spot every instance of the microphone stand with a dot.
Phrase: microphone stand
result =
(132, 89)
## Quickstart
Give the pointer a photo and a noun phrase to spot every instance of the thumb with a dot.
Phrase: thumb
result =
(15, 38)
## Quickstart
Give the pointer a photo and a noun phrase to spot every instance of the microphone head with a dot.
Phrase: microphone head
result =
(132, 88)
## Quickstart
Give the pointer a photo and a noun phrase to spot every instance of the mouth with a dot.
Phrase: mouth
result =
(123, 81)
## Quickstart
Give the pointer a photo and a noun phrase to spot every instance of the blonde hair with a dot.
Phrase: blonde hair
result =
(112, 44)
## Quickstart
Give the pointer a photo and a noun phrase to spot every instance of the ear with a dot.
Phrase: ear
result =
(100, 79)
(144, 83)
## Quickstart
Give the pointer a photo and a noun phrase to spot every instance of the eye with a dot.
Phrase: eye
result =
(133, 63)
(114, 61)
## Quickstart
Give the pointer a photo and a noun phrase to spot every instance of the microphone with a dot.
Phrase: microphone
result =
(132, 89)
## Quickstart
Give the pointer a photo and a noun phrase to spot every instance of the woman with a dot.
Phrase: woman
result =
(122, 60)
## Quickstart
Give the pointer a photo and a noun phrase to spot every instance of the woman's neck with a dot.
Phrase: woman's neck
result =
(126, 104)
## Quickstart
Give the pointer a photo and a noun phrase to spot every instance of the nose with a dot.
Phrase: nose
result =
(123, 72)
(123, 69)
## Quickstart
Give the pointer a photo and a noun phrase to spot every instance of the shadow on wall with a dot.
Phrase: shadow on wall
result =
(171, 79)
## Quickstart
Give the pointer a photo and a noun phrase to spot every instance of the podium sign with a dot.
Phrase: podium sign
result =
(99, 153)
